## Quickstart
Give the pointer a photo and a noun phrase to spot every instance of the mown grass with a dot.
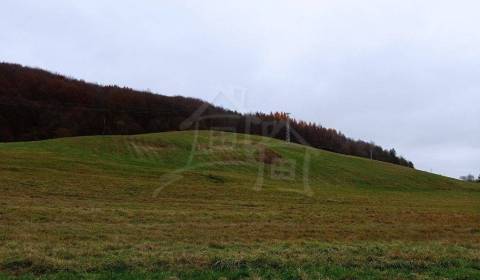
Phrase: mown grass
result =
(149, 206)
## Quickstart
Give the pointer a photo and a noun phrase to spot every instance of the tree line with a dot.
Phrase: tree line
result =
(470, 178)
(36, 104)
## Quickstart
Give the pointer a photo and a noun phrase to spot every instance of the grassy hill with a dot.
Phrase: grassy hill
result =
(36, 104)
(207, 205)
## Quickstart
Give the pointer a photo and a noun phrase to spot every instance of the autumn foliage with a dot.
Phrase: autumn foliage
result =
(36, 104)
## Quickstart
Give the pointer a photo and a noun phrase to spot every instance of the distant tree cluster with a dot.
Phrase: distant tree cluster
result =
(470, 178)
(36, 104)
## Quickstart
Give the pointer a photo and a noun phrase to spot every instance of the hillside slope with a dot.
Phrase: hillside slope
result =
(36, 104)
(232, 203)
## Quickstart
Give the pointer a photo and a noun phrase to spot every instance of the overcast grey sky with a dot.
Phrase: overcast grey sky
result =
(405, 74)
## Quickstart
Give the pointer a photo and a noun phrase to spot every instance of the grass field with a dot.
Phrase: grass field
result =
(212, 205)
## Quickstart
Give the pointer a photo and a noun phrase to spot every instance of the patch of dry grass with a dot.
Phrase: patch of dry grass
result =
(88, 204)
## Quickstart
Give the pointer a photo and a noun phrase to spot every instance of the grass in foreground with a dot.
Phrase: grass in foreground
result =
(235, 206)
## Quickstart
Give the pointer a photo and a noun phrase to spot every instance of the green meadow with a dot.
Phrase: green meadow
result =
(212, 205)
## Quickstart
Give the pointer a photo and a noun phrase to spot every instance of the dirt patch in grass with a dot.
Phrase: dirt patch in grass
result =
(268, 156)
(215, 178)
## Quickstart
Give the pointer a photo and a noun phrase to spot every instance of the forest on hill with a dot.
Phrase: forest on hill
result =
(36, 104)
